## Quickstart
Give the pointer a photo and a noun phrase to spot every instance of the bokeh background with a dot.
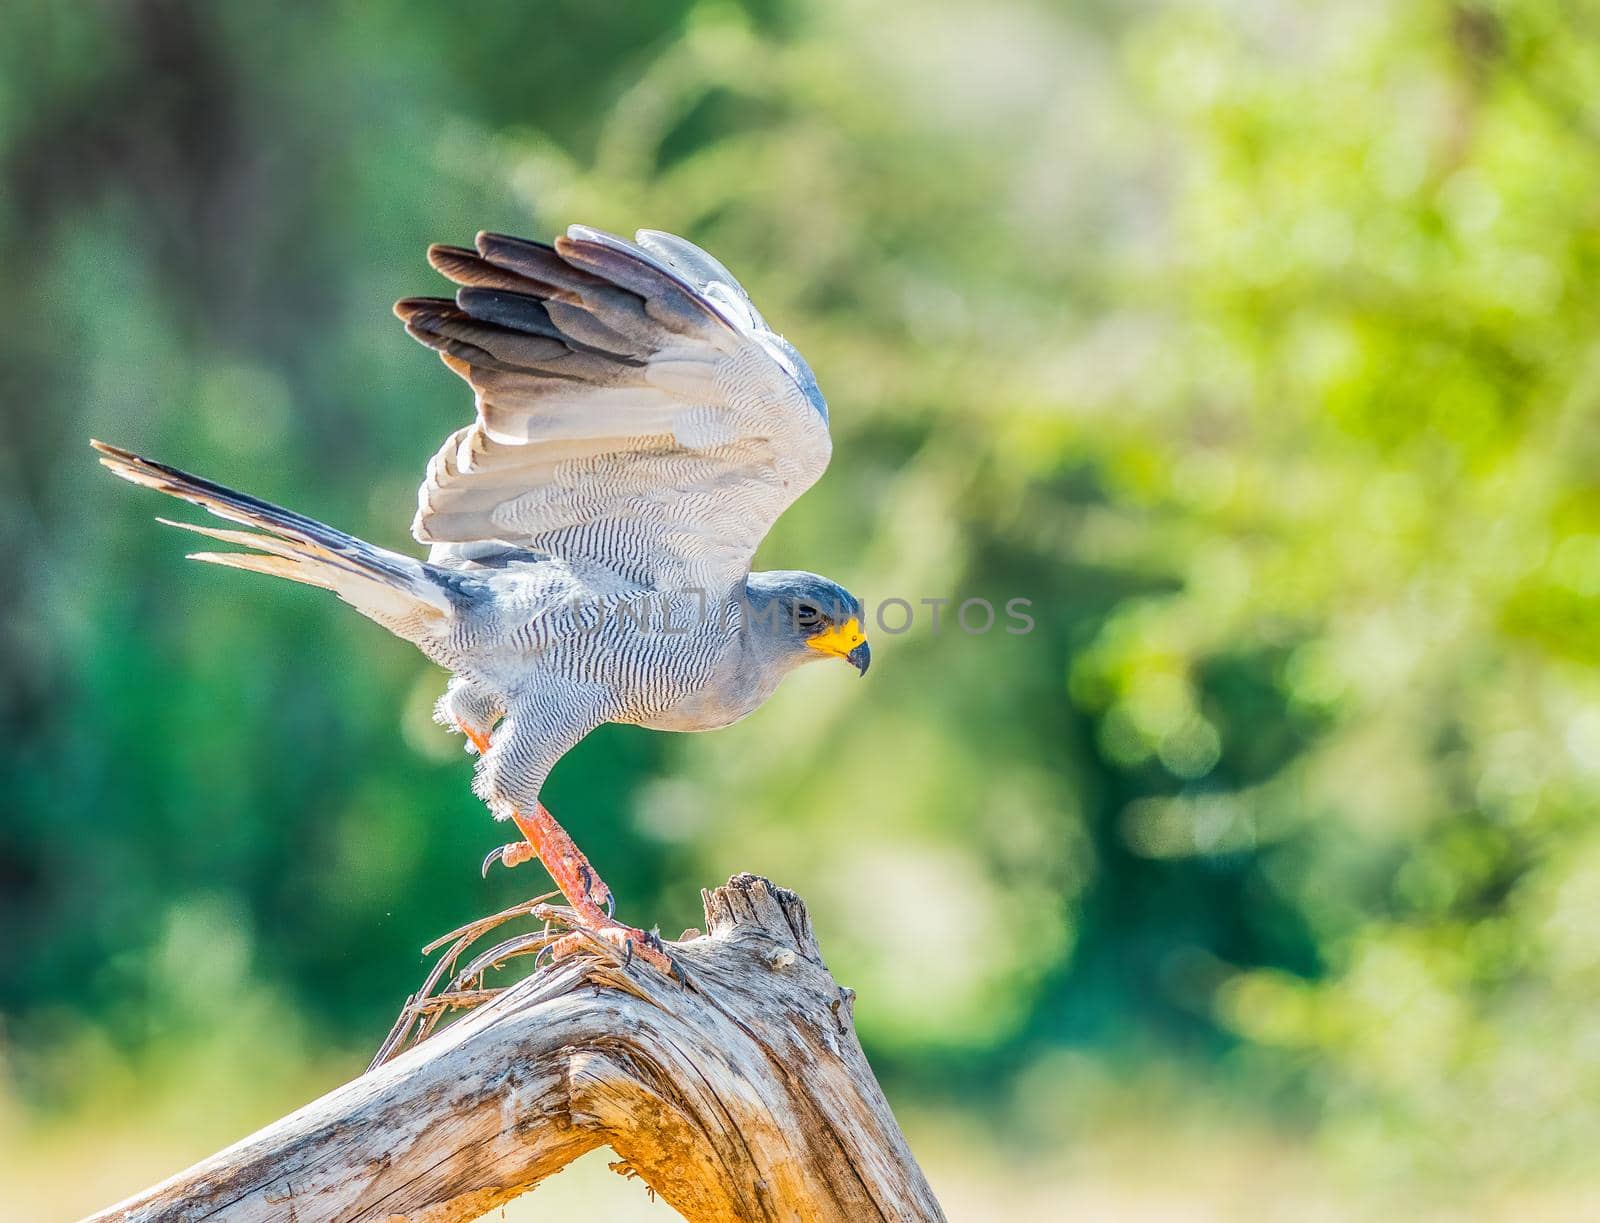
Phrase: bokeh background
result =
(1255, 341)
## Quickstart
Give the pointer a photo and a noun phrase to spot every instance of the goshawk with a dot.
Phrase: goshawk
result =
(639, 428)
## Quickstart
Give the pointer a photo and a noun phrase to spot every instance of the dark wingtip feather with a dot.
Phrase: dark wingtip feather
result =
(537, 261)
(412, 309)
(671, 299)
(440, 342)
(519, 311)
(488, 241)
(442, 255)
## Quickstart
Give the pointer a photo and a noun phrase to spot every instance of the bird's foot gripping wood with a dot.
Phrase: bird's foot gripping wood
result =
(569, 931)
(590, 905)
(629, 940)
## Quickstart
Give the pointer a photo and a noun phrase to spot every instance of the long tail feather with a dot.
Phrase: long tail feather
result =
(390, 588)
(276, 566)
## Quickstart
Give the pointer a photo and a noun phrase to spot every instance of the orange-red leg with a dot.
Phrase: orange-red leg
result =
(585, 892)
(541, 830)
(568, 866)
(591, 900)
(517, 852)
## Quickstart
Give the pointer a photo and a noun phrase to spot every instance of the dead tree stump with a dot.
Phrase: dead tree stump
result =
(737, 1094)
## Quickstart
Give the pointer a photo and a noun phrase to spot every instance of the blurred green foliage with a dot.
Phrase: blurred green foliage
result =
(1255, 343)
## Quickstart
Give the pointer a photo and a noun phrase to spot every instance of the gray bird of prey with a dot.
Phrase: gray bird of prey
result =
(639, 428)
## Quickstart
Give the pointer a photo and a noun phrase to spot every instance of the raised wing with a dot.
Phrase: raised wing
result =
(634, 410)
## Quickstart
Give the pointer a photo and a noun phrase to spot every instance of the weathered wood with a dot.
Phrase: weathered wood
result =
(740, 1093)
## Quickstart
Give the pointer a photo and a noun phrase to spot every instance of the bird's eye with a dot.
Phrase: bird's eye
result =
(807, 615)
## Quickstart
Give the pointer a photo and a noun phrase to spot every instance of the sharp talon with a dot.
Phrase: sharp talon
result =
(589, 878)
(495, 855)
(627, 952)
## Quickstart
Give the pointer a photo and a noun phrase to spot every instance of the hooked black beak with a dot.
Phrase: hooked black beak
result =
(860, 658)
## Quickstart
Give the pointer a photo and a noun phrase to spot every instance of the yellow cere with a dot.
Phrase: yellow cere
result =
(838, 639)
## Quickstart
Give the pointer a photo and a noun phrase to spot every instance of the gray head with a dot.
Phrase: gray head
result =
(802, 617)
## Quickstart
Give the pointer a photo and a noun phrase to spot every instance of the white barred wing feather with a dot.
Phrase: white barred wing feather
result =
(634, 411)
